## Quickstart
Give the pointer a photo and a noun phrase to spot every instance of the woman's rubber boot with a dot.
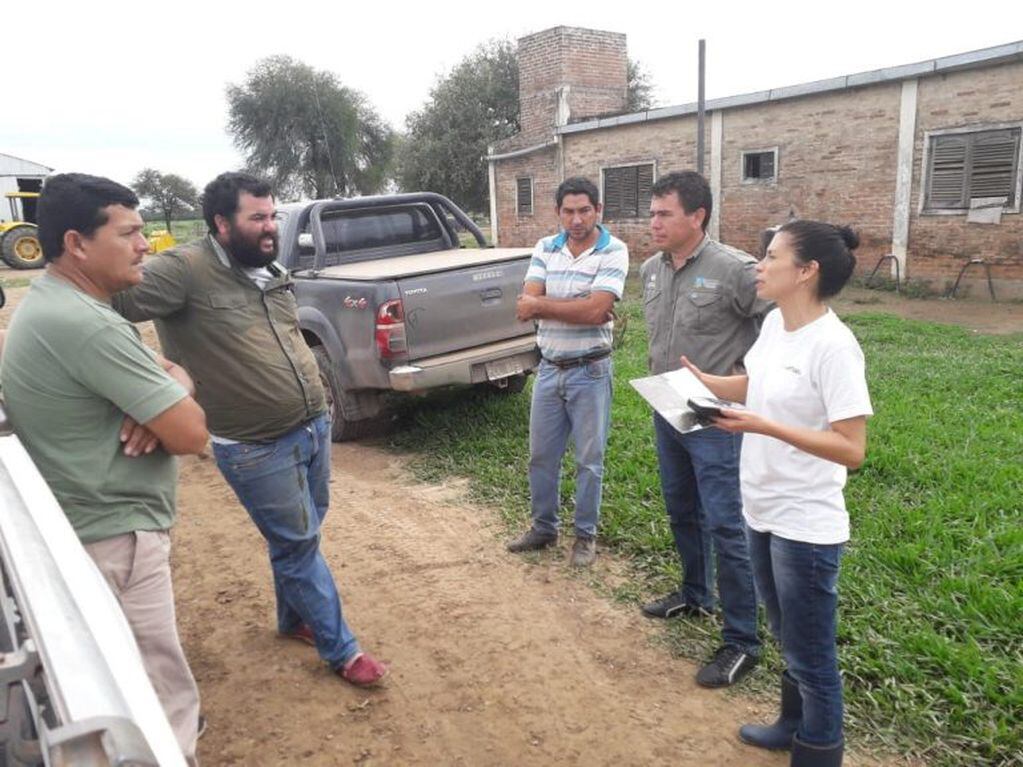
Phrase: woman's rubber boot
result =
(808, 755)
(778, 736)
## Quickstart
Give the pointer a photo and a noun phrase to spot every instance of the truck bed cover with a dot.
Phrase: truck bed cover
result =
(420, 263)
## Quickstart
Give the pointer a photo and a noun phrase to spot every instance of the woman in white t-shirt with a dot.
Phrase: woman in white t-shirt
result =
(806, 422)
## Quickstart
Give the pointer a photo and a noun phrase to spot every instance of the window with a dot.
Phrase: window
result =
(345, 233)
(760, 166)
(627, 189)
(378, 228)
(524, 196)
(966, 165)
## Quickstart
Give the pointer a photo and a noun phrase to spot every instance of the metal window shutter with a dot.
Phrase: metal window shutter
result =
(947, 179)
(613, 192)
(767, 165)
(630, 192)
(993, 167)
(645, 184)
(525, 195)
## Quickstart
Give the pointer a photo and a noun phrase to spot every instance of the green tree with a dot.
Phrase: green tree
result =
(446, 141)
(307, 133)
(476, 104)
(168, 194)
(641, 88)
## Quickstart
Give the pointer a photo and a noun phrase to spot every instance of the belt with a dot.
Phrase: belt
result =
(574, 362)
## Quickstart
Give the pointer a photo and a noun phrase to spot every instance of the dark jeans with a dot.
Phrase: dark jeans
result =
(798, 583)
(284, 485)
(700, 484)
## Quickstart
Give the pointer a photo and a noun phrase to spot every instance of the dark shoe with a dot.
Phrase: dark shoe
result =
(363, 671)
(303, 634)
(728, 666)
(808, 755)
(584, 551)
(673, 606)
(200, 730)
(778, 736)
(532, 540)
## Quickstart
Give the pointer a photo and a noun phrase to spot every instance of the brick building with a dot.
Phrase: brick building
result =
(923, 159)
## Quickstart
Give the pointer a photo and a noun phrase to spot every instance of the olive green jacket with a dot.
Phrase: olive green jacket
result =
(254, 373)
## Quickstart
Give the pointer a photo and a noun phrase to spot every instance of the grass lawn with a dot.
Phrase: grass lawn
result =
(931, 606)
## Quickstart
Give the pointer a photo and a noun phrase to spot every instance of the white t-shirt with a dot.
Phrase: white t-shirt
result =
(810, 378)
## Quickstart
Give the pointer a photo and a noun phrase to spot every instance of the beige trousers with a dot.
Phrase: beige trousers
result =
(137, 567)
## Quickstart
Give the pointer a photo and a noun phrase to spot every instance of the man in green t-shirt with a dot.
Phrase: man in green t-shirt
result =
(103, 416)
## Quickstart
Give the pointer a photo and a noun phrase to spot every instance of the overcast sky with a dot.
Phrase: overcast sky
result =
(111, 87)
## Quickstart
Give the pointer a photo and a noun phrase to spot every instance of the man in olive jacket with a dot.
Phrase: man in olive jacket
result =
(224, 309)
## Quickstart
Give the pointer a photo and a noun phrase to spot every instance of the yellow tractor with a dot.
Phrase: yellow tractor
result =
(160, 239)
(19, 244)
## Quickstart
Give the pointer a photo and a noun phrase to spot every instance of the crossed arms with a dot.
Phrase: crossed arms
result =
(533, 304)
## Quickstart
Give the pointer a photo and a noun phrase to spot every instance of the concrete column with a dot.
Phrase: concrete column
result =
(492, 166)
(904, 176)
(717, 132)
(561, 158)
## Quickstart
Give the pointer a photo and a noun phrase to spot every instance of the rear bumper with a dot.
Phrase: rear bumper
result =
(482, 363)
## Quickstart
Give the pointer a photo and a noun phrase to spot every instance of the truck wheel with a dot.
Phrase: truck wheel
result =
(20, 248)
(342, 429)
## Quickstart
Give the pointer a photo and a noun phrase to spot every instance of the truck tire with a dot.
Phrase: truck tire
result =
(20, 248)
(342, 429)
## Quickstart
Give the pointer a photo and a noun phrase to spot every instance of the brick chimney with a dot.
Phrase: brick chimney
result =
(568, 74)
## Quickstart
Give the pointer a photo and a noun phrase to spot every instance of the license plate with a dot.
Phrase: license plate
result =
(499, 369)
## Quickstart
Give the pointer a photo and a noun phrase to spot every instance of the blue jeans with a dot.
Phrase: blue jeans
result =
(700, 484)
(284, 485)
(798, 583)
(573, 402)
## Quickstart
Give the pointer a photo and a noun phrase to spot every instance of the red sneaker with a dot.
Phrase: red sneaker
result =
(303, 634)
(363, 671)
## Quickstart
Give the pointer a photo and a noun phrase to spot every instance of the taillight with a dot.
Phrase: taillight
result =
(391, 329)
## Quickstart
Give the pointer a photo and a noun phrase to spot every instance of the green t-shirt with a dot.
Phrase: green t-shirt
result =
(71, 369)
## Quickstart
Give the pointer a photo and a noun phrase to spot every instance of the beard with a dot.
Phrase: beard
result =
(247, 251)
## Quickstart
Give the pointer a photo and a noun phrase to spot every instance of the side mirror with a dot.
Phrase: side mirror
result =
(3, 297)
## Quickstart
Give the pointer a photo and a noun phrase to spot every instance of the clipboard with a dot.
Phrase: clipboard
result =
(667, 393)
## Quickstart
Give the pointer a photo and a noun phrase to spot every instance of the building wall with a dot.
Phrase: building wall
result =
(836, 162)
(14, 170)
(524, 231)
(669, 144)
(583, 70)
(940, 245)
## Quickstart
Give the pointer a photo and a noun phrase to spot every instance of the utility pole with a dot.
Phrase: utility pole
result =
(700, 107)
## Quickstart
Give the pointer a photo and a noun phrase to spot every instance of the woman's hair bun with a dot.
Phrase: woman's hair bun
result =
(851, 239)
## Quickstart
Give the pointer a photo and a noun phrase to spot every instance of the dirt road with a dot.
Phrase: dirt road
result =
(496, 661)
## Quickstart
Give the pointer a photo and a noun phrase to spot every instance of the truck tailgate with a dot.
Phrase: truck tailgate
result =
(462, 308)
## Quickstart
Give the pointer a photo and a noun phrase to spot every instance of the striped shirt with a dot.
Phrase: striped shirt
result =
(602, 267)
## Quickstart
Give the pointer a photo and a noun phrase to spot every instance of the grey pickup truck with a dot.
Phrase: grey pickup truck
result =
(390, 302)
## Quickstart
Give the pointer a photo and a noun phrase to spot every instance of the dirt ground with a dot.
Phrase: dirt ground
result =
(496, 659)
(981, 315)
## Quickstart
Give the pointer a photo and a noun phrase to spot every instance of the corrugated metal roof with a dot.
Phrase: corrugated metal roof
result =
(985, 57)
(16, 166)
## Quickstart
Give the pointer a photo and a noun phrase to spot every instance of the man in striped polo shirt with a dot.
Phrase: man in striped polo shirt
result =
(571, 286)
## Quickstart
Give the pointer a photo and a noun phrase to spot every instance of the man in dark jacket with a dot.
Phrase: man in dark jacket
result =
(225, 310)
